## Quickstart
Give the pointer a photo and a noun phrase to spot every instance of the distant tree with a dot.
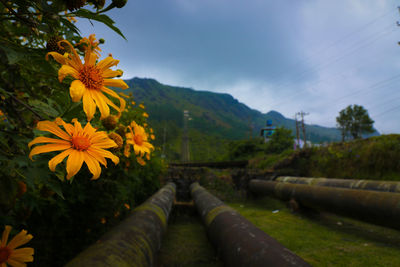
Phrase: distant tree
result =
(281, 140)
(354, 120)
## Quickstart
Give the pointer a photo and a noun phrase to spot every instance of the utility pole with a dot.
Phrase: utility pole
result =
(302, 114)
(185, 137)
(297, 131)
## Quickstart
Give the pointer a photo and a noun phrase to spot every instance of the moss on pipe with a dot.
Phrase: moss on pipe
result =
(136, 240)
(238, 241)
(384, 186)
(372, 206)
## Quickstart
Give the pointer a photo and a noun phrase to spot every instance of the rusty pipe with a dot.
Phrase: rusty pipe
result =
(384, 186)
(376, 207)
(237, 240)
(136, 240)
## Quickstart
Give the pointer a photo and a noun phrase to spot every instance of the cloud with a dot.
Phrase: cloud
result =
(317, 56)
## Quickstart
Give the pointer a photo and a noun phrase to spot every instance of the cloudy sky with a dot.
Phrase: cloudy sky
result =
(315, 56)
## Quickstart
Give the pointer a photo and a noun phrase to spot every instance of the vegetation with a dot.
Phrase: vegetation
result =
(280, 141)
(323, 240)
(355, 121)
(217, 119)
(374, 158)
(51, 76)
(186, 244)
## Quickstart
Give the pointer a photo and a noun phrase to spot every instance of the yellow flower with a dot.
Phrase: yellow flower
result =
(69, 17)
(126, 205)
(138, 139)
(91, 44)
(80, 145)
(133, 103)
(90, 81)
(151, 130)
(152, 137)
(10, 255)
(141, 106)
(124, 95)
(141, 161)
(145, 115)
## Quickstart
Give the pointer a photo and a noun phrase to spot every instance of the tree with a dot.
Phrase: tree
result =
(281, 140)
(355, 121)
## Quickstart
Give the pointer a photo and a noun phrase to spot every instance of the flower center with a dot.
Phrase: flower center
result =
(5, 253)
(138, 139)
(80, 142)
(91, 77)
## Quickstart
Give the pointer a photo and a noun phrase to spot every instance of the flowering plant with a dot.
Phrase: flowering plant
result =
(52, 139)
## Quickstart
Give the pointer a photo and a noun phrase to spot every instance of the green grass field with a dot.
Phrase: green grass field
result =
(320, 239)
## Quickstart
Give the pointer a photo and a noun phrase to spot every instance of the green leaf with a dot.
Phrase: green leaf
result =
(12, 55)
(84, 13)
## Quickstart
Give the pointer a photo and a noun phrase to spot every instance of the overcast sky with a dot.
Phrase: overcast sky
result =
(316, 56)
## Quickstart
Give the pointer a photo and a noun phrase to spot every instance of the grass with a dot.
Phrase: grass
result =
(186, 244)
(324, 240)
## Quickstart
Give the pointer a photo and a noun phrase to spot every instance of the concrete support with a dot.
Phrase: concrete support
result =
(376, 207)
(237, 240)
(384, 186)
(136, 240)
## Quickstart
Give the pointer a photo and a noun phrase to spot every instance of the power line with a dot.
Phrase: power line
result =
(321, 66)
(386, 111)
(339, 41)
(334, 60)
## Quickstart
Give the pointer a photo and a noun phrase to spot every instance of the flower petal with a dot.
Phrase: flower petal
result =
(109, 73)
(97, 156)
(42, 139)
(66, 70)
(59, 158)
(23, 254)
(115, 83)
(127, 150)
(47, 148)
(111, 104)
(89, 130)
(76, 90)
(15, 263)
(101, 103)
(4, 238)
(89, 107)
(122, 101)
(75, 60)
(20, 239)
(98, 137)
(58, 57)
(105, 153)
(107, 63)
(74, 163)
(93, 165)
(141, 161)
(90, 58)
(67, 126)
(52, 127)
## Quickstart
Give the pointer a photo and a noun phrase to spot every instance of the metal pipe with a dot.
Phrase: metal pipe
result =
(136, 240)
(237, 240)
(384, 186)
(376, 207)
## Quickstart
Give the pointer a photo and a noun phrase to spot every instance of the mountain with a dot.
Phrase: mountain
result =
(215, 119)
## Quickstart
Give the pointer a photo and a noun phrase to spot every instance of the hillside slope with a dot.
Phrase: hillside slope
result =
(216, 118)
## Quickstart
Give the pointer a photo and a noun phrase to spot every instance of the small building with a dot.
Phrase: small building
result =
(267, 131)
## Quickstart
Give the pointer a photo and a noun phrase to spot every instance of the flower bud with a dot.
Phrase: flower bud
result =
(110, 122)
(117, 139)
